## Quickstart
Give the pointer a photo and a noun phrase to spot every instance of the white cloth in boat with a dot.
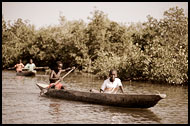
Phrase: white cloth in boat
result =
(111, 87)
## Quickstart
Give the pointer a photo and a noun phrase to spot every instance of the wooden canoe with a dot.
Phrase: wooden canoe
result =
(26, 73)
(120, 100)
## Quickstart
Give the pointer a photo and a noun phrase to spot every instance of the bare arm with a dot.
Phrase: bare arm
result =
(101, 91)
(22, 65)
(121, 88)
(63, 70)
(67, 69)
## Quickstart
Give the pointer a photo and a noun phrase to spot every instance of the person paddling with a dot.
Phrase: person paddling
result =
(19, 66)
(55, 75)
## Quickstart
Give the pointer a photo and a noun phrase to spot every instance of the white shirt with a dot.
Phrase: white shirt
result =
(30, 66)
(111, 87)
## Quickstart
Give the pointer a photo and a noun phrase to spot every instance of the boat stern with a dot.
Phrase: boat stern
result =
(162, 96)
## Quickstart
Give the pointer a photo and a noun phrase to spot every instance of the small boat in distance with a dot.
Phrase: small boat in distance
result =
(26, 73)
(120, 100)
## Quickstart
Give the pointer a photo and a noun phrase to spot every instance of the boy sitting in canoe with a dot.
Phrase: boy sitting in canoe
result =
(19, 66)
(111, 85)
(55, 75)
(30, 66)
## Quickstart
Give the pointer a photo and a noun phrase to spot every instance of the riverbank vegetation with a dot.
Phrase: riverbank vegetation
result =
(155, 50)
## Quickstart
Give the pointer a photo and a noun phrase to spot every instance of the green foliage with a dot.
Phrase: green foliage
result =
(15, 38)
(155, 50)
(165, 42)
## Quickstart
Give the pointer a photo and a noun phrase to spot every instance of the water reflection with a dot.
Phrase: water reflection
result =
(55, 111)
(77, 111)
(55, 107)
(19, 77)
(144, 115)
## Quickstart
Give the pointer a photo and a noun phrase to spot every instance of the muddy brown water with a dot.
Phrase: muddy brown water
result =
(22, 103)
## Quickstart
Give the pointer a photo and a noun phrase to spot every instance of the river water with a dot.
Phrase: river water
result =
(22, 103)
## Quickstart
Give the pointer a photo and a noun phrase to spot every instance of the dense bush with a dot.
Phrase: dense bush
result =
(166, 43)
(155, 50)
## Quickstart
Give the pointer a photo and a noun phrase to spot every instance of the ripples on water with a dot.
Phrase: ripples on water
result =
(21, 103)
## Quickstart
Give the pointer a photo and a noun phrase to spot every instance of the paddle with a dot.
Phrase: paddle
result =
(46, 89)
(41, 68)
(11, 68)
(63, 76)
